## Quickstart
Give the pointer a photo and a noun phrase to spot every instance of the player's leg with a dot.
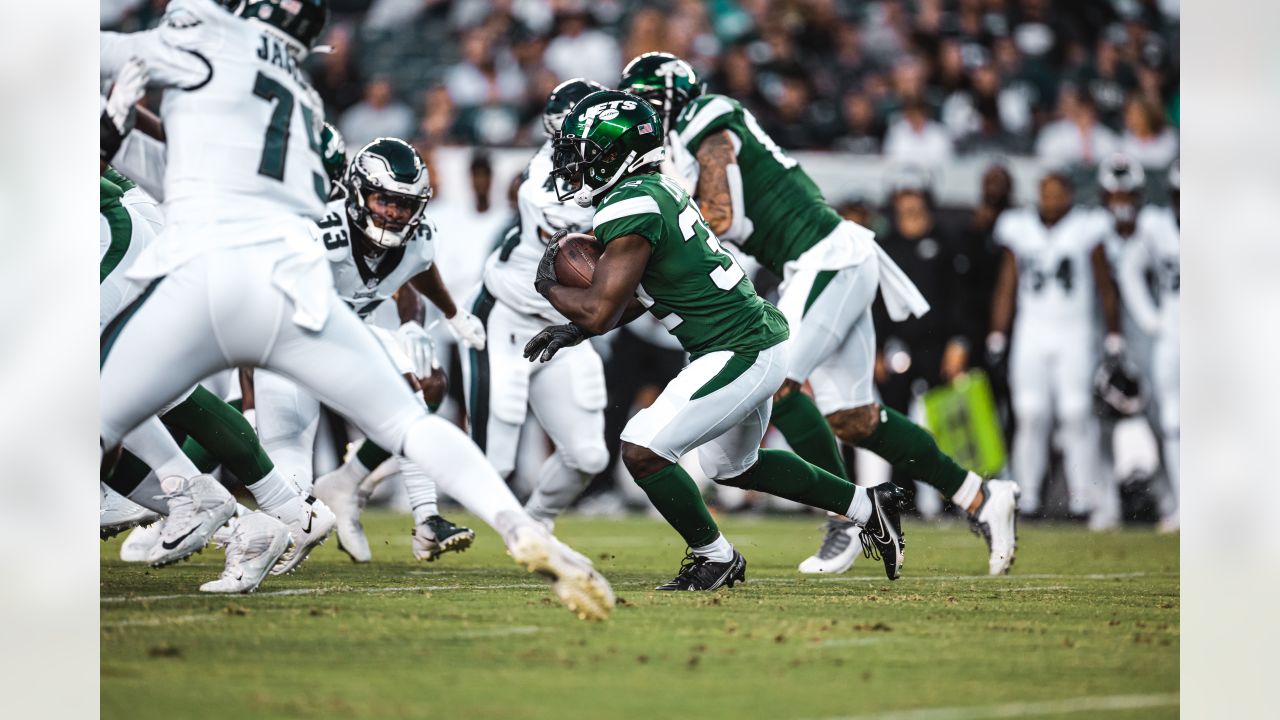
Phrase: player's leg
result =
(1031, 396)
(151, 353)
(286, 419)
(1167, 393)
(1091, 486)
(568, 397)
(346, 368)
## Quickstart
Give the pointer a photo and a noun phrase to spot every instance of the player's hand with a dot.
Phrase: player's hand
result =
(997, 349)
(468, 329)
(552, 339)
(546, 277)
(121, 106)
(418, 345)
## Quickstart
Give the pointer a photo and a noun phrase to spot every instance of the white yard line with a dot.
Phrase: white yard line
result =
(157, 621)
(1103, 703)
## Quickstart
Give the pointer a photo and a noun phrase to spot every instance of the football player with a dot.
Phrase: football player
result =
(567, 394)
(377, 240)
(237, 280)
(1054, 270)
(757, 197)
(1156, 249)
(660, 256)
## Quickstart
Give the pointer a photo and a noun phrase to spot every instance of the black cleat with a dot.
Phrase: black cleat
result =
(882, 536)
(699, 573)
(437, 536)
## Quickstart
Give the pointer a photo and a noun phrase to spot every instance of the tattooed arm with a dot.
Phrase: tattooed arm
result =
(717, 160)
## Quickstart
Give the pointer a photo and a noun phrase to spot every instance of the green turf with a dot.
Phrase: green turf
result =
(471, 636)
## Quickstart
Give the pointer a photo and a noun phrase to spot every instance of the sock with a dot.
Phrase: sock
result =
(787, 475)
(558, 486)
(224, 432)
(153, 445)
(273, 491)
(421, 491)
(964, 497)
(860, 507)
(718, 550)
(911, 450)
(807, 432)
(676, 497)
(371, 455)
(127, 474)
(447, 456)
(149, 494)
(199, 455)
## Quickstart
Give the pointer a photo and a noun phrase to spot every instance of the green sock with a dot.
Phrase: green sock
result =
(676, 496)
(224, 433)
(371, 455)
(787, 475)
(807, 432)
(912, 450)
(128, 474)
(204, 461)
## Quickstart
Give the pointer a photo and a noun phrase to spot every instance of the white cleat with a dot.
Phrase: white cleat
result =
(1169, 524)
(577, 583)
(197, 508)
(340, 491)
(997, 522)
(257, 541)
(839, 548)
(310, 521)
(117, 513)
(137, 547)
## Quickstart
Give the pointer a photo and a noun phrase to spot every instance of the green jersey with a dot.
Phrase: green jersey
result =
(785, 207)
(694, 287)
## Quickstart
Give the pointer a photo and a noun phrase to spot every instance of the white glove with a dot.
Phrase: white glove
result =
(417, 344)
(468, 329)
(120, 107)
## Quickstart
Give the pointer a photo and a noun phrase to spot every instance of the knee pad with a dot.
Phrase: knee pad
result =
(724, 470)
(590, 458)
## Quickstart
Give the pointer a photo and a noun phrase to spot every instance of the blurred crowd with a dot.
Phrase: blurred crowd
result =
(919, 81)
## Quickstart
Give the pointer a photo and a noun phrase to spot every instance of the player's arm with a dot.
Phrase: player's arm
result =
(466, 327)
(601, 307)
(1003, 302)
(173, 51)
(1108, 296)
(717, 158)
(408, 304)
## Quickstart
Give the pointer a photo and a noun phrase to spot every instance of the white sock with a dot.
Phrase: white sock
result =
(446, 455)
(421, 491)
(153, 445)
(149, 495)
(860, 509)
(718, 551)
(968, 491)
(273, 491)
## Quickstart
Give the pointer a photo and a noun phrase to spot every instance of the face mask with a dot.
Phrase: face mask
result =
(1123, 212)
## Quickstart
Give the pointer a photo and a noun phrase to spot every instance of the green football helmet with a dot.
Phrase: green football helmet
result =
(392, 169)
(607, 136)
(302, 20)
(333, 153)
(562, 100)
(665, 81)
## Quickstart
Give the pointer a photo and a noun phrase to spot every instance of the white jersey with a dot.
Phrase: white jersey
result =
(363, 285)
(241, 119)
(1155, 247)
(510, 270)
(1055, 273)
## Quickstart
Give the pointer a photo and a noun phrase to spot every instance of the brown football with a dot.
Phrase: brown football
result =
(576, 261)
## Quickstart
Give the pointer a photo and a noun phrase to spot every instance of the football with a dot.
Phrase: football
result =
(576, 261)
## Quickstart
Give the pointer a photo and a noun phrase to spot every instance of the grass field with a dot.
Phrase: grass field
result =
(1087, 626)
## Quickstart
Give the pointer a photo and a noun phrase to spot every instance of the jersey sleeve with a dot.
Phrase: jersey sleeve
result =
(427, 238)
(629, 213)
(704, 116)
(176, 53)
(1006, 231)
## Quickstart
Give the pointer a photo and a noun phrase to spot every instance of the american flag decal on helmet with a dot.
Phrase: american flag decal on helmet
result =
(644, 128)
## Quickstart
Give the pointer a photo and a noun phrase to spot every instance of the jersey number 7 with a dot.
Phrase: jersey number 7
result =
(275, 146)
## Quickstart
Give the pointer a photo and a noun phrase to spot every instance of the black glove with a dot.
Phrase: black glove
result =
(552, 339)
(546, 276)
